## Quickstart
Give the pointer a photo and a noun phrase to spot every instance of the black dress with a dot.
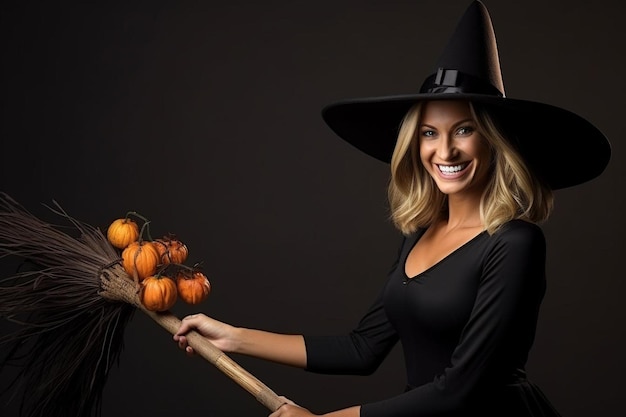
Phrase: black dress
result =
(466, 326)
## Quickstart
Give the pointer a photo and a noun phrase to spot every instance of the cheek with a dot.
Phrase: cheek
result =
(480, 150)
(425, 163)
(485, 157)
(424, 154)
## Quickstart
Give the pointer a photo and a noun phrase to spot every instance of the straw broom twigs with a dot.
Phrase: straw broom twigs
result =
(71, 307)
(66, 336)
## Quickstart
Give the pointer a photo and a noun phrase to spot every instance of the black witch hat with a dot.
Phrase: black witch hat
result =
(560, 147)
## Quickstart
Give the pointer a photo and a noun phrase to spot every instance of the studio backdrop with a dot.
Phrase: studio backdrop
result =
(205, 118)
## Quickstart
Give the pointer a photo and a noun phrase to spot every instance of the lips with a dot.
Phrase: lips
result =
(453, 171)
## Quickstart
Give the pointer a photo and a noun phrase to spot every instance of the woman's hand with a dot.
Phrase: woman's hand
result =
(222, 335)
(291, 409)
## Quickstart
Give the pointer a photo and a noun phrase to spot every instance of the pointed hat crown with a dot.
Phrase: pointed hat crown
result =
(471, 54)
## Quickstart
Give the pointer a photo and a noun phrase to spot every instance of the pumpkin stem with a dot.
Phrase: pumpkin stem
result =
(162, 268)
(145, 227)
(134, 213)
(173, 268)
(183, 266)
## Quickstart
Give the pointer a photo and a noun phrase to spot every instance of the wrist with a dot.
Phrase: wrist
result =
(237, 340)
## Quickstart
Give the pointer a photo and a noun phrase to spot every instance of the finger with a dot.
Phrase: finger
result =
(186, 324)
(278, 412)
(285, 409)
(184, 328)
(286, 400)
(189, 351)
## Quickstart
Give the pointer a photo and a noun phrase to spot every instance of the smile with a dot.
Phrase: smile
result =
(452, 170)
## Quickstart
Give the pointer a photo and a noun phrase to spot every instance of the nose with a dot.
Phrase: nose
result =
(446, 150)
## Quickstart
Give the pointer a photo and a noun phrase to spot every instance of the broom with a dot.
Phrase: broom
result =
(70, 307)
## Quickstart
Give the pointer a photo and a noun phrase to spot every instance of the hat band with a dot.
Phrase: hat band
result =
(448, 81)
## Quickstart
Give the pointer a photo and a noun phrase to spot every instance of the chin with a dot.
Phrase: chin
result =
(450, 189)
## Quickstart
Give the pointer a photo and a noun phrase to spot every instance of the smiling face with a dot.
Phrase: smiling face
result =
(452, 151)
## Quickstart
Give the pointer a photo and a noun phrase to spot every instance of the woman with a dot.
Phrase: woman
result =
(472, 173)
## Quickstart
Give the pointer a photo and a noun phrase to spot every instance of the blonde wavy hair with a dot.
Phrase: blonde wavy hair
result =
(513, 192)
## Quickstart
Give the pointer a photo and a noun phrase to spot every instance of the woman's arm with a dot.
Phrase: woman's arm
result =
(275, 347)
(281, 348)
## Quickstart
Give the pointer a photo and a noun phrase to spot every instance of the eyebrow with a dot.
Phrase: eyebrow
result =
(460, 122)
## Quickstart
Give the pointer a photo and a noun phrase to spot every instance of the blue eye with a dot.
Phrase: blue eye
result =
(465, 130)
(428, 133)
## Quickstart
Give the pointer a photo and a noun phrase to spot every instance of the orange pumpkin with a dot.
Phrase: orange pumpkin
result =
(171, 250)
(193, 288)
(140, 258)
(158, 293)
(122, 232)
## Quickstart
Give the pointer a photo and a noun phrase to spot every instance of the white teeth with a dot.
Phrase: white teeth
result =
(451, 169)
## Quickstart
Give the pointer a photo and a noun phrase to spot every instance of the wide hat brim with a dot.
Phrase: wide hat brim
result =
(559, 146)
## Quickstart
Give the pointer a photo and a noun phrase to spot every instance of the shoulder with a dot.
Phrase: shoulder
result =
(519, 232)
(517, 249)
(517, 240)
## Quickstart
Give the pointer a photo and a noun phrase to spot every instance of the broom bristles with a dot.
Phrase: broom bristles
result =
(67, 335)
(71, 311)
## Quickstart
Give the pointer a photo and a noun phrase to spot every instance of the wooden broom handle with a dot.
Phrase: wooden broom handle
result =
(208, 351)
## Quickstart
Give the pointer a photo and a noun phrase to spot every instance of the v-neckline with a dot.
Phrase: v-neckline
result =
(439, 262)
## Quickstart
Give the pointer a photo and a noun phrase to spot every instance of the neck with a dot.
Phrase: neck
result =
(463, 211)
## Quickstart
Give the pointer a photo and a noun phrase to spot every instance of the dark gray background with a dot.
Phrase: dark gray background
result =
(205, 117)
